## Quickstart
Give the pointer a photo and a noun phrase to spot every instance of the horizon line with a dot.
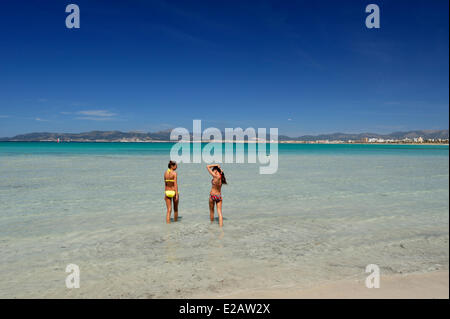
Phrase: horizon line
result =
(168, 130)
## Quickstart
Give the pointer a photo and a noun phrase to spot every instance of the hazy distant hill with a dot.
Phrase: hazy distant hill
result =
(426, 134)
(108, 136)
(117, 136)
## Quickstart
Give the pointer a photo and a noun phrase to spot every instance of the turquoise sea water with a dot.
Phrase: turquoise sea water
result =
(32, 148)
(328, 212)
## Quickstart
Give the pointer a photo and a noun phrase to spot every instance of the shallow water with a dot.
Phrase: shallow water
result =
(328, 212)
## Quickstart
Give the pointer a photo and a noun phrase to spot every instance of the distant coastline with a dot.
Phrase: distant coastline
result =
(245, 142)
(420, 137)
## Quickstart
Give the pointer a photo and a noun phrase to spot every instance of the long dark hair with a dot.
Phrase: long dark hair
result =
(222, 174)
(171, 164)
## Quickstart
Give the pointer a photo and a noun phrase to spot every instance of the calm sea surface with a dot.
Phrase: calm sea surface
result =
(328, 212)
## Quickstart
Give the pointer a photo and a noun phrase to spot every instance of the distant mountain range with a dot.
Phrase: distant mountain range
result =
(117, 136)
(426, 134)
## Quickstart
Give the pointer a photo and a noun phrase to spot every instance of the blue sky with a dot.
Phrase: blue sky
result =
(306, 67)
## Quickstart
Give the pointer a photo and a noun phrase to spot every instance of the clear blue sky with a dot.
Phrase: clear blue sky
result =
(306, 67)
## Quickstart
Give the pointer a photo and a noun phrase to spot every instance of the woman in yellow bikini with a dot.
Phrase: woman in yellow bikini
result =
(171, 191)
(215, 195)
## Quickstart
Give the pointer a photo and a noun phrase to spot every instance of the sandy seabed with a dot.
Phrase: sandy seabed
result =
(434, 285)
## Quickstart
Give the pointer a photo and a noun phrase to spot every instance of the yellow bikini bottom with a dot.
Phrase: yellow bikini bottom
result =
(170, 194)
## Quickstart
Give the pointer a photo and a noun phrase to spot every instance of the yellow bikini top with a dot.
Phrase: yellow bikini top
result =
(169, 180)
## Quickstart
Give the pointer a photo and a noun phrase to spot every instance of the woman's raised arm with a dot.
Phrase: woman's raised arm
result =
(208, 167)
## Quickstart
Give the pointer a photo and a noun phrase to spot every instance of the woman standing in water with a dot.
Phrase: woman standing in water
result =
(171, 191)
(215, 196)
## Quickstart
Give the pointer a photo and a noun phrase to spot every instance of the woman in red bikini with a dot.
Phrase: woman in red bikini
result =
(215, 196)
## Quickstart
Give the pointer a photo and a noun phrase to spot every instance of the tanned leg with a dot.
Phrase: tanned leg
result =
(175, 208)
(211, 210)
(219, 212)
(169, 208)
